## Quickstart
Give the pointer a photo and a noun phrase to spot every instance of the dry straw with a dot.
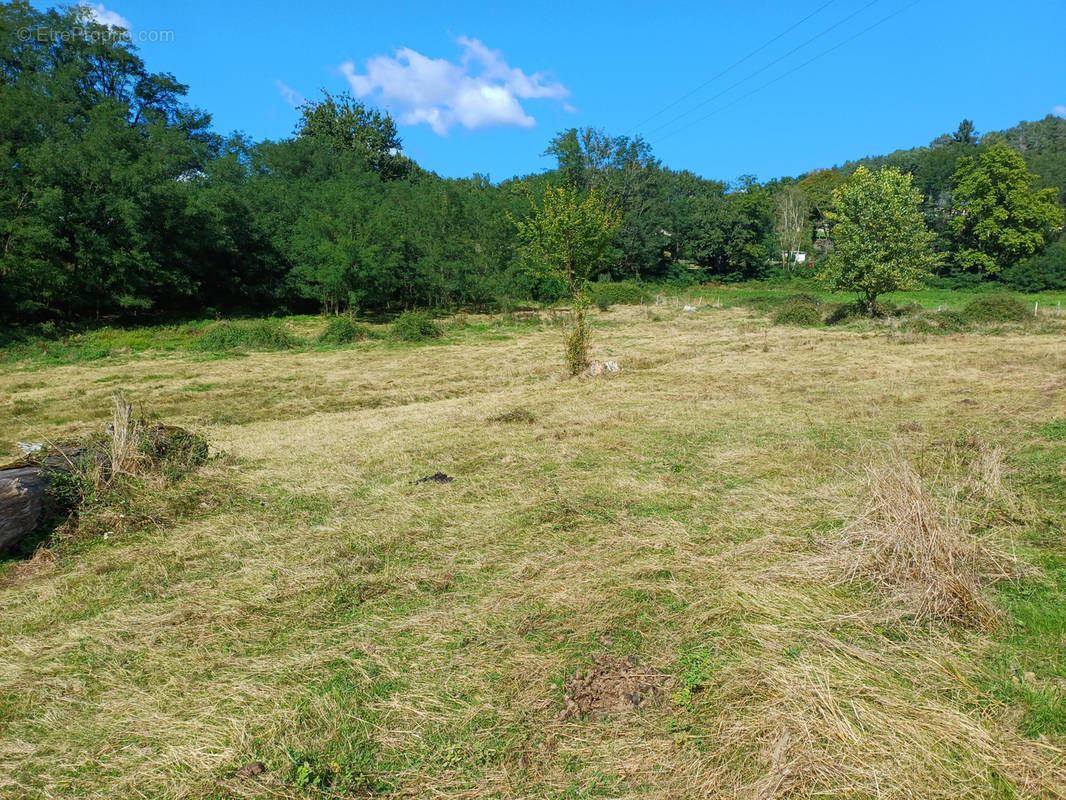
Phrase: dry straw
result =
(929, 564)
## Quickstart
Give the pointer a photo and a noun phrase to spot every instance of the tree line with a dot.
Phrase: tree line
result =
(117, 198)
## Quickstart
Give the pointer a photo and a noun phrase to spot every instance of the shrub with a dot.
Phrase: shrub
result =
(1041, 273)
(173, 451)
(950, 320)
(1001, 307)
(849, 312)
(800, 310)
(122, 479)
(606, 294)
(935, 322)
(259, 334)
(345, 330)
(907, 310)
(416, 326)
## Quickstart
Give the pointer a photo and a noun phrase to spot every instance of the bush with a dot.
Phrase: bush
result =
(345, 330)
(935, 322)
(950, 320)
(577, 345)
(801, 310)
(173, 451)
(416, 326)
(260, 334)
(849, 312)
(1001, 307)
(907, 310)
(1041, 273)
(607, 294)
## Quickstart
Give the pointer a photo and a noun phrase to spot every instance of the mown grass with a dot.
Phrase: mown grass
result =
(363, 635)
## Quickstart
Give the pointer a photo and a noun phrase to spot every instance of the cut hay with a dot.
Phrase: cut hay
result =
(930, 565)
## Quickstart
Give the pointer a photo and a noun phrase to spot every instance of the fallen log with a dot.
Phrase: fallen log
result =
(21, 500)
(24, 484)
(24, 487)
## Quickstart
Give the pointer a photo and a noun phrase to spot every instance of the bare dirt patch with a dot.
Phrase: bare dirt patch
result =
(613, 685)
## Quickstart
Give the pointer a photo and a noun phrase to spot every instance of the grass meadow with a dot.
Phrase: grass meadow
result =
(840, 550)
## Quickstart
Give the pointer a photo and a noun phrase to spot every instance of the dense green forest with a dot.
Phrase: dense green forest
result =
(117, 198)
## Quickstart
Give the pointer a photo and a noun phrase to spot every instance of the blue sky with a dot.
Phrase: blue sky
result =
(484, 87)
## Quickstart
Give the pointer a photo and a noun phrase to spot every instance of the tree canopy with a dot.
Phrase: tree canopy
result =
(882, 243)
(999, 217)
(118, 199)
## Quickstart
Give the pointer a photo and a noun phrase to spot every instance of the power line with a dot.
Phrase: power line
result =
(793, 70)
(710, 80)
(762, 69)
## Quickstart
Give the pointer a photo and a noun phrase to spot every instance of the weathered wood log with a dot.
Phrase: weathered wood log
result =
(24, 484)
(21, 499)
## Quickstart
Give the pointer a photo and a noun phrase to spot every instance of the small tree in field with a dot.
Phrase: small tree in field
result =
(880, 237)
(564, 238)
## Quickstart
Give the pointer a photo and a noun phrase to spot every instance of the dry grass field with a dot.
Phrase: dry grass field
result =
(785, 562)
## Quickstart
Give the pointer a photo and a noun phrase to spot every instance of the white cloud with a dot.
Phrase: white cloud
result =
(1059, 111)
(105, 17)
(290, 95)
(482, 89)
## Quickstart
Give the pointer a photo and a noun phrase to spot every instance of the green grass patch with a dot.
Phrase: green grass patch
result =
(259, 334)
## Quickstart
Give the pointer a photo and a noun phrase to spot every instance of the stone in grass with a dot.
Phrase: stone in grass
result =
(251, 769)
(436, 477)
(602, 368)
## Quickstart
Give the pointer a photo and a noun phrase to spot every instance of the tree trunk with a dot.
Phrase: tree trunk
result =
(23, 486)
(21, 498)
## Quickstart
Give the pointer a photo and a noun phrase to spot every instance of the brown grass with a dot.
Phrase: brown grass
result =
(927, 563)
(124, 433)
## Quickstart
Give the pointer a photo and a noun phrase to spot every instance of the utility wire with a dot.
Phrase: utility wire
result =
(735, 64)
(793, 70)
(762, 69)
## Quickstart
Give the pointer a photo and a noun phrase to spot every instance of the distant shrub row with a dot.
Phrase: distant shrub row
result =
(268, 334)
(808, 311)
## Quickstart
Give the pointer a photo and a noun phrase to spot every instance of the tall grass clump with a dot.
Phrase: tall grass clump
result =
(931, 566)
(999, 307)
(416, 326)
(802, 310)
(259, 334)
(345, 330)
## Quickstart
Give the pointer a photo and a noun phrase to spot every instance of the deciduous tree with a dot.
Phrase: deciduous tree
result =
(999, 217)
(565, 237)
(882, 243)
